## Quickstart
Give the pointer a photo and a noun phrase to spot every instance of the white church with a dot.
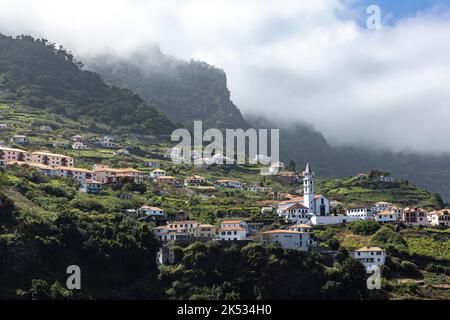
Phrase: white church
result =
(310, 209)
(300, 210)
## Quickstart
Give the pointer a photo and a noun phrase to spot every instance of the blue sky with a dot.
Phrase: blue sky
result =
(395, 10)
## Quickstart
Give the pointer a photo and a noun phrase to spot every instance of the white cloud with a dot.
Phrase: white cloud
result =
(289, 59)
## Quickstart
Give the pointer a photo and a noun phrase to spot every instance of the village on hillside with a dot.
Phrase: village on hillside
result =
(296, 215)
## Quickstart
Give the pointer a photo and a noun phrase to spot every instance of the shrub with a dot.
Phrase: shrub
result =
(436, 268)
(364, 227)
(6, 208)
(410, 269)
(389, 239)
(333, 244)
(88, 204)
(56, 190)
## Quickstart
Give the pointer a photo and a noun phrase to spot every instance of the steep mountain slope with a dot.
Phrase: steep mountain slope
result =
(299, 142)
(184, 91)
(37, 74)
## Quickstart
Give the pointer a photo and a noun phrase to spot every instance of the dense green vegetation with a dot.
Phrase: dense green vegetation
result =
(44, 230)
(222, 271)
(46, 225)
(39, 75)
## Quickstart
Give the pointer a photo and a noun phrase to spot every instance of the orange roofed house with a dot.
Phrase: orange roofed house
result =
(233, 230)
(106, 174)
(51, 159)
(12, 154)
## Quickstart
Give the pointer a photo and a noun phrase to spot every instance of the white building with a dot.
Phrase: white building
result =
(123, 151)
(188, 226)
(79, 174)
(19, 139)
(387, 216)
(287, 239)
(79, 146)
(296, 213)
(370, 256)
(108, 142)
(166, 234)
(227, 183)
(381, 206)
(362, 213)
(151, 211)
(257, 188)
(45, 128)
(51, 159)
(233, 230)
(234, 223)
(440, 218)
(90, 186)
(173, 154)
(232, 234)
(195, 180)
(12, 154)
(157, 173)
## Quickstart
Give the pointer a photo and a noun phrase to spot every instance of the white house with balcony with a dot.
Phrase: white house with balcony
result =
(233, 230)
(232, 234)
(370, 256)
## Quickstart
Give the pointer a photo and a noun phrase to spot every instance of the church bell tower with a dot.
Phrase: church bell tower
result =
(308, 189)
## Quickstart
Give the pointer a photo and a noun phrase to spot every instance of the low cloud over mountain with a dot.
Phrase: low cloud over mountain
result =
(302, 60)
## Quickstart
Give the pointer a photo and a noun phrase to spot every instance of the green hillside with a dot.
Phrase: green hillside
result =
(353, 192)
(39, 75)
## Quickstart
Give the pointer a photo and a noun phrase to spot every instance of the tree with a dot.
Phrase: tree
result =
(291, 166)
(6, 207)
